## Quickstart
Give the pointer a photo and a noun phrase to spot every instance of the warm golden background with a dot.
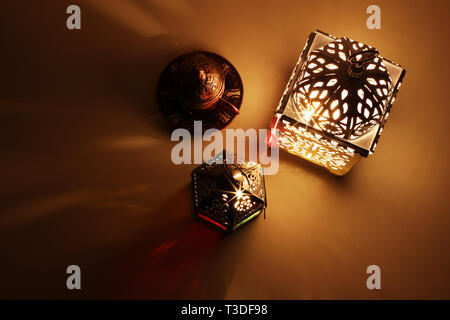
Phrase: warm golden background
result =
(86, 176)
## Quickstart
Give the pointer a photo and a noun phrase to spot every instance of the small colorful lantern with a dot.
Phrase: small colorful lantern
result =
(228, 192)
(336, 102)
(199, 86)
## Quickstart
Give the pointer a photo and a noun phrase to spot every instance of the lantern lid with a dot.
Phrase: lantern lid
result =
(199, 82)
(343, 88)
(199, 86)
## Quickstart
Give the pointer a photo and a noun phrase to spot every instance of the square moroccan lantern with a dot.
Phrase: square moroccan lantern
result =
(336, 102)
(228, 192)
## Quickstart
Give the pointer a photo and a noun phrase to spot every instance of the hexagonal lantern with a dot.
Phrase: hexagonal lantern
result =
(228, 192)
(336, 102)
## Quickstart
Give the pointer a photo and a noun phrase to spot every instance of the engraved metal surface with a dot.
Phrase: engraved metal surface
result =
(199, 86)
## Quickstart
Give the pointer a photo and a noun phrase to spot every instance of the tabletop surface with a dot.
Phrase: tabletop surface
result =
(87, 176)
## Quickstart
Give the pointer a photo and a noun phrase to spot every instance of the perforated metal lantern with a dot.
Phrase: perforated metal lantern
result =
(228, 193)
(336, 102)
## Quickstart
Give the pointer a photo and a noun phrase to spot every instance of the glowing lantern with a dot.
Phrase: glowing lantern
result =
(336, 102)
(228, 192)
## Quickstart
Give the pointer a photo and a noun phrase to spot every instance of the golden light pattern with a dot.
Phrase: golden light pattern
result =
(316, 148)
(250, 181)
(243, 203)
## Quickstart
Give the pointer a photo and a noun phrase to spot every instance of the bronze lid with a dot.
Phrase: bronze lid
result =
(199, 86)
(199, 82)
